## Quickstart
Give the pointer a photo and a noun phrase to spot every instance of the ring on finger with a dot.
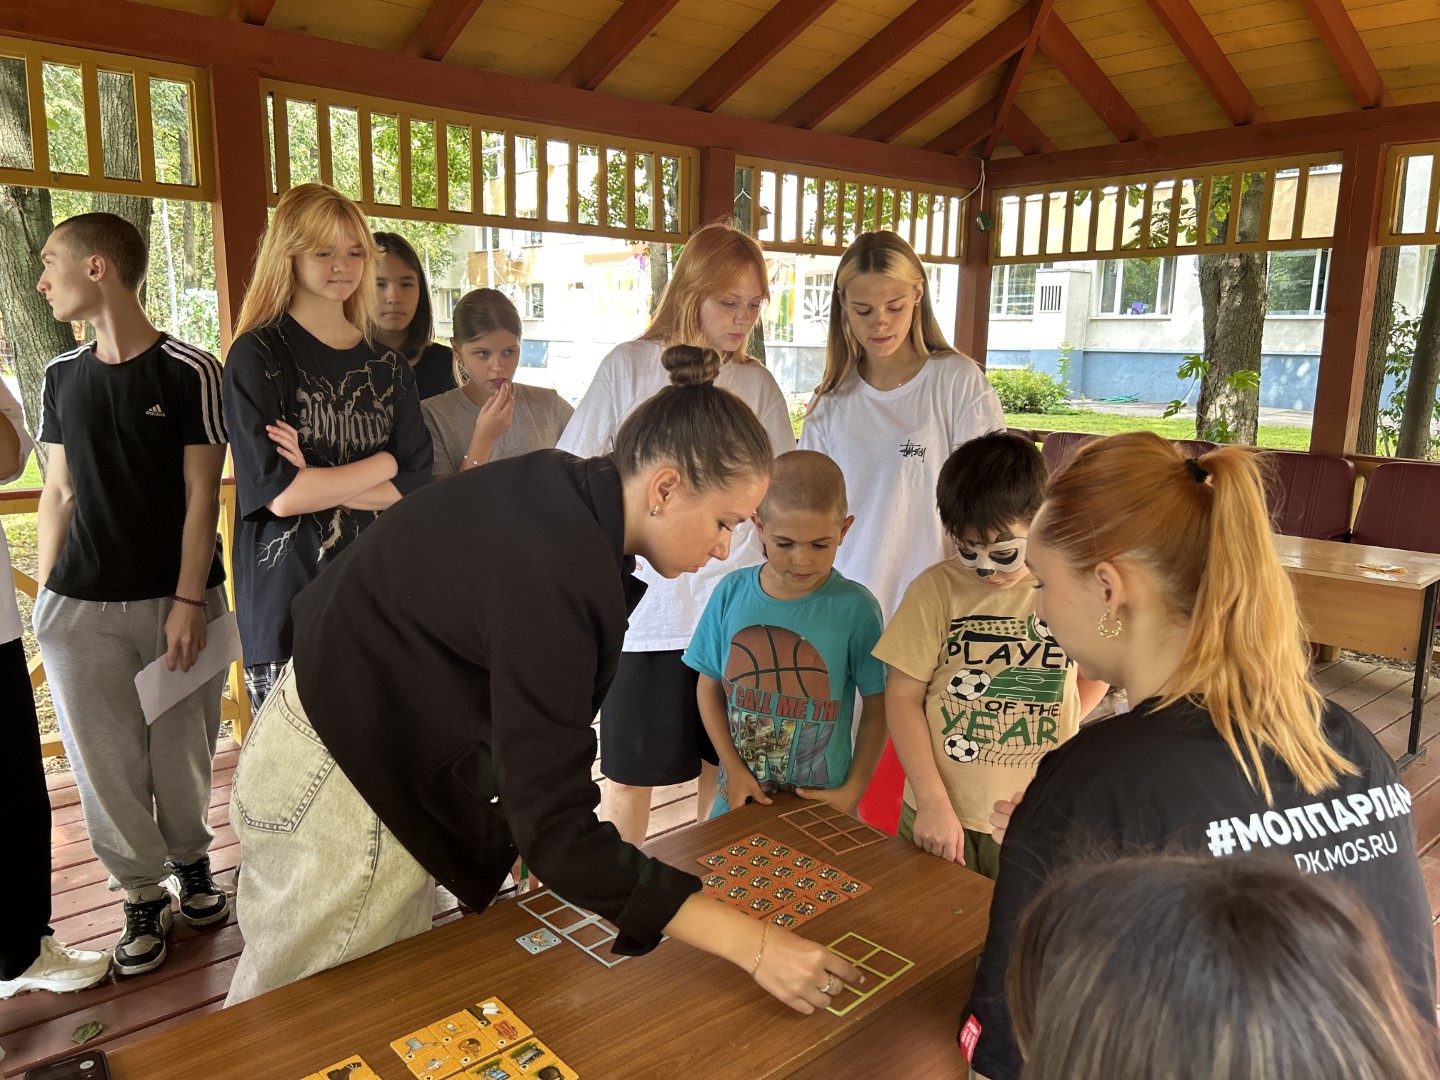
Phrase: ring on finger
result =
(829, 988)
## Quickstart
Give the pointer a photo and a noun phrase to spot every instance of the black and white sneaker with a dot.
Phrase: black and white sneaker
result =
(202, 902)
(142, 947)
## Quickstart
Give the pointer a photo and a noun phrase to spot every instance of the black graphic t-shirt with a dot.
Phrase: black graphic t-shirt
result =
(1165, 780)
(124, 428)
(347, 405)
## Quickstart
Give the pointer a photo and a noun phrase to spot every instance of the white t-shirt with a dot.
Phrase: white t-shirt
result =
(10, 626)
(630, 374)
(891, 444)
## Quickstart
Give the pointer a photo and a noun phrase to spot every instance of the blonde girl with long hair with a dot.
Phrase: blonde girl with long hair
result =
(325, 424)
(489, 416)
(1158, 574)
(651, 733)
(894, 401)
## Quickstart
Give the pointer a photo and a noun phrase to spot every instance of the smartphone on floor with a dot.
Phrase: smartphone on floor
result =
(86, 1065)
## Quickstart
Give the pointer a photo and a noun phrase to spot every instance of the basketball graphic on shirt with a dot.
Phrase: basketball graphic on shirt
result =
(778, 660)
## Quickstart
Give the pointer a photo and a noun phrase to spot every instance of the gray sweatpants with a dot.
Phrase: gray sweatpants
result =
(145, 790)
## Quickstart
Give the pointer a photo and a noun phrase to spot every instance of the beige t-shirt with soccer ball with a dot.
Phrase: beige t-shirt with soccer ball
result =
(1000, 692)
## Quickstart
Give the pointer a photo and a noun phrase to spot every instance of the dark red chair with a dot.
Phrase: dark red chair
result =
(1060, 446)
(1309, 495)
(1400, 507)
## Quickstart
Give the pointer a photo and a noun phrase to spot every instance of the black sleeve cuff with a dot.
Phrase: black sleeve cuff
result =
(656, 899)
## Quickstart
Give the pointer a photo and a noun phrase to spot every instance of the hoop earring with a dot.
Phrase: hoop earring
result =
(1109, 631)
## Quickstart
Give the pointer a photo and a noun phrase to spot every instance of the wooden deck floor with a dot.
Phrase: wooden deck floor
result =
(195, 978)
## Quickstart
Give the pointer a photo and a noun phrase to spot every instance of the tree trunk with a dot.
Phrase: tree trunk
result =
(1414, 438)
(1381, 324)
(122, 157)
(658, 260)
(25, 223)
(1232, 295)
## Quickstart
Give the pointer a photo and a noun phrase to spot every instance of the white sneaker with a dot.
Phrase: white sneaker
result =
(59, 970)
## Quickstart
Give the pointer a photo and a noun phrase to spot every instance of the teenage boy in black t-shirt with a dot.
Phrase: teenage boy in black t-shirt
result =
(130, 569)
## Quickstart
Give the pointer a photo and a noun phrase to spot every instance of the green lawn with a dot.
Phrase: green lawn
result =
(1279, 438)
(30, 478)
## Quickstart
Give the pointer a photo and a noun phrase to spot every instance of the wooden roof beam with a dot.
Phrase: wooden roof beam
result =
(955, 77)
(776, 29)
(1026, 137)
(1039, 12)
(1193, 38)
(1338, 33)
(1067, 54)
(871, 60)
(969, 132)
(613, 42)
(254, 12)
(441, 24)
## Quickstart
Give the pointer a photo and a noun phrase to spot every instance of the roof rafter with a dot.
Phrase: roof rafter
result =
(254, 12)
(1028, 138)
(1065, 51)
(1338, 33)
(1193, 38)
(1039, 11)
(442, 23)
(968, 132)
(613, 42)
(776, 29)
(871, 60)
(964, 71)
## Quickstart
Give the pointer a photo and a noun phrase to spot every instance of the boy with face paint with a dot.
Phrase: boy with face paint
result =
(978, 689)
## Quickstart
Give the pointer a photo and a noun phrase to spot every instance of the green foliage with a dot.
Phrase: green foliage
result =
(1027, 390)
(1195, 367)
(1399, 356)
(1062, 362)
(1271, 436)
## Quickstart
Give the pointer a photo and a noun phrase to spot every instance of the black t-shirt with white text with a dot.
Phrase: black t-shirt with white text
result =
(347, 405)
(1164, 780)
(124, 428)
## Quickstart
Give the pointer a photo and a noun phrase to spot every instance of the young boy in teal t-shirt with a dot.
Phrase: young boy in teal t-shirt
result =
(783, 647)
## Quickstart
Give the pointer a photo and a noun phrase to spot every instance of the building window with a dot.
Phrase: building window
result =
(815, 297)
(489, 239)
(1137, 286)
(534, 239)
(535, 301)
(1295, 282)
(1012, 290)
(445, 301)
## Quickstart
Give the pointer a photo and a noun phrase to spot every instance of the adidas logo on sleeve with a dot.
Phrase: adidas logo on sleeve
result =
(154, 410)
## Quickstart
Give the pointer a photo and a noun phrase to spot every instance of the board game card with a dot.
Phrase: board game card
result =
(352, 1068)
(775, 882)
(587, 931)
(538, 941)
(531, 1058)
(880, 966)
(410, 1047)
(497, 1025)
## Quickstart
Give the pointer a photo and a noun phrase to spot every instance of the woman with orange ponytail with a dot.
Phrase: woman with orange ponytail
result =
(1158, 574)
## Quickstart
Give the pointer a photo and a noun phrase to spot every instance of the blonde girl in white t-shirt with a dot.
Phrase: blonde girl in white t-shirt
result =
(895, 400)
(651, 734)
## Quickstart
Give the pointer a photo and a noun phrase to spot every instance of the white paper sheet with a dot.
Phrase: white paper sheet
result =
(159, 689)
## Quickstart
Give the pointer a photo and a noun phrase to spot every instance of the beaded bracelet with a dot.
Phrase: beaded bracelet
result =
(760, 953)
(471, 460)
(186, 600)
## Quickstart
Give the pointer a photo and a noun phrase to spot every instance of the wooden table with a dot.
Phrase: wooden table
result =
(1345, 604)
(677, 1012)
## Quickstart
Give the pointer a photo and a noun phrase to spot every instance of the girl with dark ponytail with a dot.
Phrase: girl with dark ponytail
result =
(435, 721)
(1158, 574)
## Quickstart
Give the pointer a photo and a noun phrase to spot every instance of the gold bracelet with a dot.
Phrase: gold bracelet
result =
(760, 953)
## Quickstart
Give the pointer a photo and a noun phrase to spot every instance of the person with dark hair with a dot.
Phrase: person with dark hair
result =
(1186, 968)
(439, 723)
(130, 572)
(405, 316)
(490, 416)
(978, 690)
(30, 957)
(1158, 573)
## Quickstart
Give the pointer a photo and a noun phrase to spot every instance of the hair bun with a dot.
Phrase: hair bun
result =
(690, 365)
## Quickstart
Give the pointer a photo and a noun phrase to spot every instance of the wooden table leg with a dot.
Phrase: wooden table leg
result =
(1422, 673)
